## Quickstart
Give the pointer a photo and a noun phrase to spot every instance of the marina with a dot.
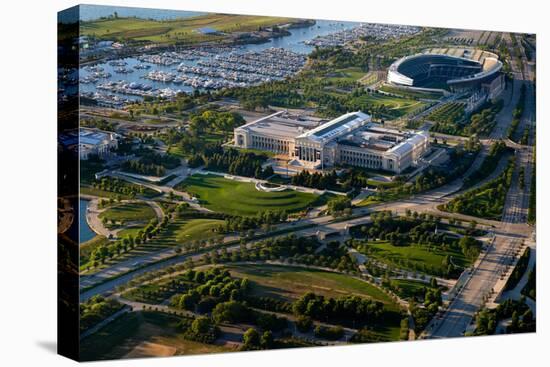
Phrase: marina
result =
(208, 67)
(376, 31)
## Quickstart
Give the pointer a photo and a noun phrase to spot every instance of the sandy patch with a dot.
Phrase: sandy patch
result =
(148, 349)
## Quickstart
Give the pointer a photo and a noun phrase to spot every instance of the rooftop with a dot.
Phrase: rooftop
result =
(337, 127)
(410, 143)
(377, 137)
(92, 137)
(281, 124)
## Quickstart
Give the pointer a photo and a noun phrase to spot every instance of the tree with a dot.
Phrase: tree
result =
(514, 325)
(251, 339)
(304, 324)
(188, 301)
(267, 340)
(201, 325)
(338, 204)
(231, 311)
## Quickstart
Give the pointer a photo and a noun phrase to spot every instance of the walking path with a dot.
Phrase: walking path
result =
(515, 293)
(106, 321)
(93, 212)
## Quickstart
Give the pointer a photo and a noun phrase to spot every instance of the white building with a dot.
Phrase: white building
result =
(274, 133)
(351, 139)
(96, 142)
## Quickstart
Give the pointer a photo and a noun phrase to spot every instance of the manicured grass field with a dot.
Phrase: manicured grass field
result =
(88, 247)
(398, 106)
(414, 257)
(290, 282)
(177, 30)
(197, 229)
(131, 231)
(410, 288)
(177, 231)
(410, 93)
(241, 198)
(382, 197)
(142, 334)
(350, 74)
(87, 190)
(129, 212)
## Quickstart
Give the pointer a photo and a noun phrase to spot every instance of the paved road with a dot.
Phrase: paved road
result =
(469, 300)
(494, 264)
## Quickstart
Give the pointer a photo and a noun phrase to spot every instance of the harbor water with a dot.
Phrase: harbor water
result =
(86, 232)
(133, 70)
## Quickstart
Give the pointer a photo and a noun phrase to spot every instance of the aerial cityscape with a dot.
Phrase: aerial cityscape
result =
(255, 182)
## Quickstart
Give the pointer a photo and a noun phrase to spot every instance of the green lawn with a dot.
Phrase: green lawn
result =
(350, 74)
(197, 229)
(406, 288)
(177, 30)
(177, 232)
(383, 197)
(88, 247)
(181, 230)
(130, 231)
(142, 334)
(385, 184)
(87, 190)
(290, 282)
(414, 257)
(397, 106)
(410, 93)
(129, 212)
(241, 198)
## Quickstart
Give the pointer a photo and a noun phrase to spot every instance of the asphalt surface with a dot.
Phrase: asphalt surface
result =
(493, 266)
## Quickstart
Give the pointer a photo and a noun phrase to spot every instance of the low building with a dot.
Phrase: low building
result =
(274, 133)
(96, 142)
(351, 139)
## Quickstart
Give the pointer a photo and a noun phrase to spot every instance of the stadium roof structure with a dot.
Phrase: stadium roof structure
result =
(452, 67)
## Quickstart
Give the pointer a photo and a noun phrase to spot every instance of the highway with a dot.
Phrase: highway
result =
(493, 265)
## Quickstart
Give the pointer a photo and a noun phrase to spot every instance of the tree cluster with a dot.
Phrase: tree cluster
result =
(347, 309)
(486, 201)
(213, 287)
(210, 120)
(95, 310)
(339, 205)
(232, 161)
(202, 330)
(321, 181)
(242, 223)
